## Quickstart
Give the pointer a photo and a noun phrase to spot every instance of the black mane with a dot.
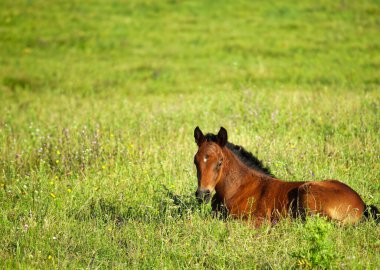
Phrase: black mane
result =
(246, 157)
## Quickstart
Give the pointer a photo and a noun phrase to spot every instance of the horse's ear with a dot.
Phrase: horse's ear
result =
(198, 136)
(222, 137)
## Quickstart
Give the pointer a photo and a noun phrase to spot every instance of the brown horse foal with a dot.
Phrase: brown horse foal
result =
(246, 189)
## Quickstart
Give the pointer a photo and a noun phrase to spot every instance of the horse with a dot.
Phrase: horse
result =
(245, 189)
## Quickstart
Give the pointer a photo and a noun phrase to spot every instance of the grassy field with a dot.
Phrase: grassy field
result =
(99, 100)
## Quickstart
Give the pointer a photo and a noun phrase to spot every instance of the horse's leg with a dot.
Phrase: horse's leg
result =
(332, 199)
(218, 208)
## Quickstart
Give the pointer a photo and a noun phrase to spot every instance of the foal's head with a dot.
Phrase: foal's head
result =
(209, 162)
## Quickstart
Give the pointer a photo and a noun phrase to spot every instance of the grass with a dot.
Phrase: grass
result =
(99, 101)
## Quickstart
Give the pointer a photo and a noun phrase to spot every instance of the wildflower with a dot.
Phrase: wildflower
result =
(53, 195)
(54, 238)
(58, 153)
(57, 161)
(103, 167)
(50, 257)
(27, 50)
(69, 190)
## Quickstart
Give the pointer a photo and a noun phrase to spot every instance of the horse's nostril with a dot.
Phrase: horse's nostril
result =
(203, 195)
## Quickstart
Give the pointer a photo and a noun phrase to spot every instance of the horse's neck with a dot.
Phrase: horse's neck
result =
(235, 175)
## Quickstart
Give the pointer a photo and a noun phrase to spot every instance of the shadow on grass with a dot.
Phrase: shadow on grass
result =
(166, 205)
(178, 205)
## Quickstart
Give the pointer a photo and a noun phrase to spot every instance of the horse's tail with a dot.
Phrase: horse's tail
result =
(372, 211)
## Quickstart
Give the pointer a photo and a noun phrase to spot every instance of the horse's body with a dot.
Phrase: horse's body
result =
(246, 189)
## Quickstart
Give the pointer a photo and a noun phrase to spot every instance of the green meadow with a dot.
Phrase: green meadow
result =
(99, 101)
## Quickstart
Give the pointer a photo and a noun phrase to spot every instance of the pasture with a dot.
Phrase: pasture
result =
(99, 100)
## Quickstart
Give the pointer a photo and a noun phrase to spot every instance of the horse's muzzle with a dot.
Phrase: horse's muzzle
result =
(203, 195)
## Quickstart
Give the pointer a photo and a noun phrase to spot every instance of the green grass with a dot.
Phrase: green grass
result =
(99, 100)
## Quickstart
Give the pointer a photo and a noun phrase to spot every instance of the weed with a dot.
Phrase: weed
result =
(319, 250)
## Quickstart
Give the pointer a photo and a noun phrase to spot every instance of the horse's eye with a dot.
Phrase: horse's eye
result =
(219, 163)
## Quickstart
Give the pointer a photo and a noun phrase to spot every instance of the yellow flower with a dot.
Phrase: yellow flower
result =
(103, 167)
(58, 153)
(53, 195)
(57, 161)
(50, 257)
(69, 190)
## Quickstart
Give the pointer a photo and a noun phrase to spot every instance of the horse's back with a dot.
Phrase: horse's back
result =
(331, 198)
